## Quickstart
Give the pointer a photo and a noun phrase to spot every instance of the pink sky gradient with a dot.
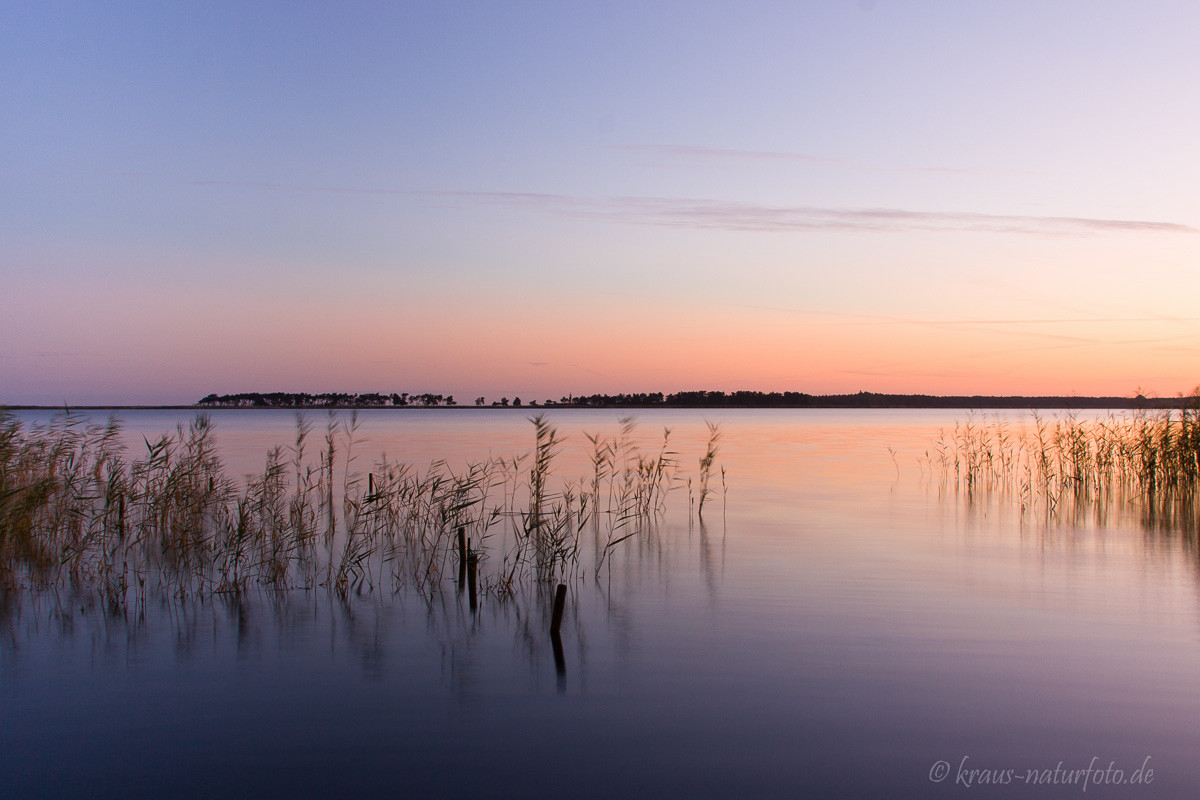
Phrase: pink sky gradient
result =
(932, 197)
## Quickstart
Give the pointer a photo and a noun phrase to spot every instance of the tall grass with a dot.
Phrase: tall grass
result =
(706, 466)
(76, 510)
(637, 488)
(1068, 468)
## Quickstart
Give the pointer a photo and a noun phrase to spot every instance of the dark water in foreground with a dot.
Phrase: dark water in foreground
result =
(839, 627)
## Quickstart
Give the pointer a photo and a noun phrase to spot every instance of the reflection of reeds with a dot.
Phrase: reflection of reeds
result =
(74, 512)
(1068, 467)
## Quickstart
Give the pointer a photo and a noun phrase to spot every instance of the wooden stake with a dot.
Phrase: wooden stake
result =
(560, 601)
(560, 660)
(462, 558)
(472, 561)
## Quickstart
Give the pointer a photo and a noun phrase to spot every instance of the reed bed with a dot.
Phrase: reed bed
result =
(1068, 469)
(76, 511)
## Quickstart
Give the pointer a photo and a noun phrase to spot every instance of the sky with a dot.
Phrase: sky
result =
(529, 199)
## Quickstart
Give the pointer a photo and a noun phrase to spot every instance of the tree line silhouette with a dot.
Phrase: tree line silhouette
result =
(755, 399)
(690, 399)
(325, 400)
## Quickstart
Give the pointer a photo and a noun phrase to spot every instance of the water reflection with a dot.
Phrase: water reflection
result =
(846, 623)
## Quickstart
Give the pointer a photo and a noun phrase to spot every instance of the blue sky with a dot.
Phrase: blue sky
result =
(542, 198)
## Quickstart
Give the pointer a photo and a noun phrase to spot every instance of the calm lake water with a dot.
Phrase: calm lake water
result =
(841, 625)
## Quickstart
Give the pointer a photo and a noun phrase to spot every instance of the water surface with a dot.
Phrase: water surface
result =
(839, 625)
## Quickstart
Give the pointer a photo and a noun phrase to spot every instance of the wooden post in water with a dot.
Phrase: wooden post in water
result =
(462, 558)
(472, 562)
(370, 483)
(560, 661)
(560, 601)
(556, 615)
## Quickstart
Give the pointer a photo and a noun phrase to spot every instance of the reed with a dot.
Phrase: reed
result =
(76, 511)
(706, 466)
(637, 483)
(1068, 467)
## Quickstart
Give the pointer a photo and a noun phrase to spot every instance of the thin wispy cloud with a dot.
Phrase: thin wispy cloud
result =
(1030, 321)
(1161, 343)
(934, 170)
(287, 187)
(1013, 331)
(694, 154)
(40, 354)
(756, 218)
(900, 373)
(707, 214)
(1025, 327)
(718, 153)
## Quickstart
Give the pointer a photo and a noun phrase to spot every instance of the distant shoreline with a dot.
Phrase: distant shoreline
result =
(701, 400)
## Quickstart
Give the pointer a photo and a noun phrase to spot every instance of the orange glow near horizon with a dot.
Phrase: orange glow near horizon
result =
(509, 206)
(644, 350)
(530, 345)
